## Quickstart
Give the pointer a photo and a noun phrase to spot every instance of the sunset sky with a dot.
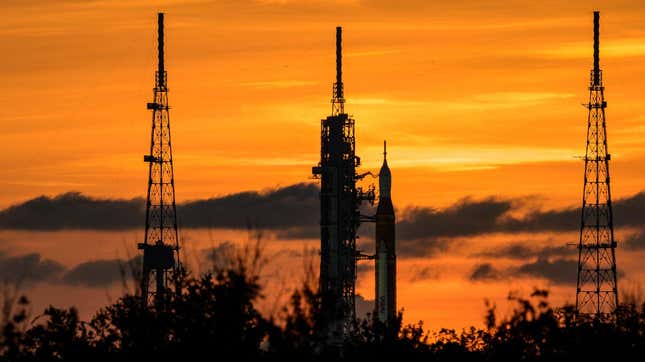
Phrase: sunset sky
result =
(479, 102)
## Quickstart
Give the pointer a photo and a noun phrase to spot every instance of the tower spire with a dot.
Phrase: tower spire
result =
(385, 150)
(385, 176)
(339, 61)
(160, 45)
(338, 100)
(596, 48)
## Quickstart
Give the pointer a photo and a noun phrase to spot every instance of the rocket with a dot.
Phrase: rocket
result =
(385, 304)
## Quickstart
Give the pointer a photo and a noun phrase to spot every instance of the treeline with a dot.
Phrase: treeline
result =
(215, 318)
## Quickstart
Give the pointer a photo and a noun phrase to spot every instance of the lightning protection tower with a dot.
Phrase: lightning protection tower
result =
(340, 218)
(597, 294)
(161, 244)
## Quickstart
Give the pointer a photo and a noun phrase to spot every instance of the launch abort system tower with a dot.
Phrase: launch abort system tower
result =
(597, 292)
(161, 244)
(339, 212)
(385, 268)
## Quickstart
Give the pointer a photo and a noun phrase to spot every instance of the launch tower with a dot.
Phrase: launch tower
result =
(340, 218)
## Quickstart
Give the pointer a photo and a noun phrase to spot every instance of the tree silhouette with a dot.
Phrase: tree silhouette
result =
(215, 316)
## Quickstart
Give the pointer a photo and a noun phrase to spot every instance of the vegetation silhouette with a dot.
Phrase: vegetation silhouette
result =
(215, 316)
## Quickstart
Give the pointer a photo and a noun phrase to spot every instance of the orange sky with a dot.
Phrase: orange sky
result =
(474, 98)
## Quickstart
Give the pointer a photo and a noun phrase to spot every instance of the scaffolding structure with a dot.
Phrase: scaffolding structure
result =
(340, 217)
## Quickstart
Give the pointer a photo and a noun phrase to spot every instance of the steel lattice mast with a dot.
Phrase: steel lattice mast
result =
(597, 294)
(161, 243)
(339, 212)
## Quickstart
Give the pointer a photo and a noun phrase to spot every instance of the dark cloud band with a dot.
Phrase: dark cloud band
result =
(32, 268)
(558, 271)
(294, 206)
(293, 213)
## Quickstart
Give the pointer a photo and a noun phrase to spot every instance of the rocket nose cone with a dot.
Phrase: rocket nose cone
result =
(385, 181)
(385, 176)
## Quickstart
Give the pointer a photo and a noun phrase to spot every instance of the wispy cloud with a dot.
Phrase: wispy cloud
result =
(208, 160)
(633, 47)
(471, 157)
(277, 84)
(482, 102)
(371, 53)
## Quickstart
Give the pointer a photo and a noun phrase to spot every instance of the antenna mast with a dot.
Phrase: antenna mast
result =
(161, 243)
(597, 287)
(338, 100)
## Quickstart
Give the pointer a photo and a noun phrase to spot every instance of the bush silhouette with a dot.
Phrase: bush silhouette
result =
(214, 317)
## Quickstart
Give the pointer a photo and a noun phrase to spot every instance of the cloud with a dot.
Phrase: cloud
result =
(470, 217)
(33, 268)
(363, 306)
(558, 271)
(365, 268)
(292, 212)
(525, 250)
(301, 232)
(101, 273)
(420, 273)
(615, 48)
(466, 217)
(626, 211)
(635, 241)
(73, 211)
(423, 231)
(277, 84)
(28, 268)
(566, 219)
(484, 272)
(422, 247)
(220, 256)
(292, 207)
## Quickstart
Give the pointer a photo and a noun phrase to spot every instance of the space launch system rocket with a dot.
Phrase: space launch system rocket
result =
(385, 306)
